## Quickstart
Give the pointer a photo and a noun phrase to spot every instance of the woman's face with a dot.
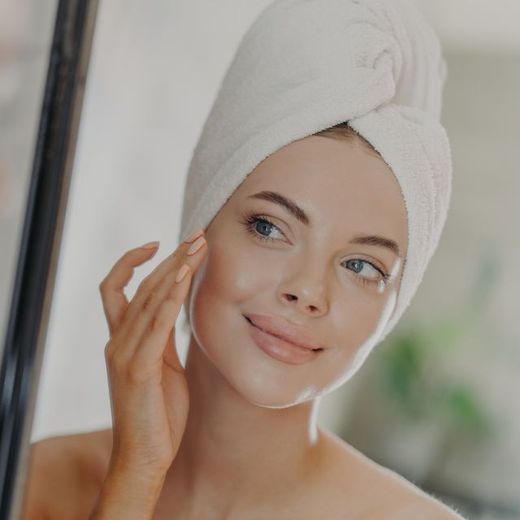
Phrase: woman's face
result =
(263, 260)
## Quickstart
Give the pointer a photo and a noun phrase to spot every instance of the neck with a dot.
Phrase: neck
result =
(234, 454)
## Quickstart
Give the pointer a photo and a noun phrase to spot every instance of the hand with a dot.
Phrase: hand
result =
(148, 389)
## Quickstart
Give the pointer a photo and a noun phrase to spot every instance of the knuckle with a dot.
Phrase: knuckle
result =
(150, 298)
(172, 300)
(109, 351)
(155, 324)
(112, 347)
(115, 364)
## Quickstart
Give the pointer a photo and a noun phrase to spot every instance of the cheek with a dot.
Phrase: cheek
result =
(365, 318)
(229, 276)
(358, 328)
(233, 276)
(359, 312)
(234, 272)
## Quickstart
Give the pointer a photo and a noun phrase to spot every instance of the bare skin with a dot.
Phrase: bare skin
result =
(251, 446)
(68, 472)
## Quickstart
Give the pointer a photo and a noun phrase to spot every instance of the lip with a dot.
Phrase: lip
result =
(280, 349)
(282, 340)
(284, 330)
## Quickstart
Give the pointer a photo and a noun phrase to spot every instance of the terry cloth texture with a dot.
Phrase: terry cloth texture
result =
(305, 65)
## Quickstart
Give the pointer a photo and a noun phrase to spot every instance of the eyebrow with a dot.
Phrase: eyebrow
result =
(301, 216)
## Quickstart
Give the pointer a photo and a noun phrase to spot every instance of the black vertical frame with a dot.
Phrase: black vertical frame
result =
(40, 243)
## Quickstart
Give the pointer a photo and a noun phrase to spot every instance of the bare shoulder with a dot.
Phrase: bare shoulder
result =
(65, 474)
(367, 490)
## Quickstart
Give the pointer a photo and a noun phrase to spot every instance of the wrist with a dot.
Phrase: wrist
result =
(129, 494)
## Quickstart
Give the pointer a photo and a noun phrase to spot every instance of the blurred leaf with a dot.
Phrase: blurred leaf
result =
(464, 411)
(408, 374)
(401, 379)
(401, 367)
(485, 279)
(447, 333)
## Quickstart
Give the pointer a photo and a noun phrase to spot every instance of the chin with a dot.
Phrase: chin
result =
(259, 379)
(275, 395)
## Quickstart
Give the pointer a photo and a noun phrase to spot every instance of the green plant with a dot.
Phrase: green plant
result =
(410, 366)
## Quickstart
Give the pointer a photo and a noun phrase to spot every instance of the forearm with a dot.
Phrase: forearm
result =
(128, 495)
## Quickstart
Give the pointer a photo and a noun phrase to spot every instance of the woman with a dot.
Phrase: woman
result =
(318, 233)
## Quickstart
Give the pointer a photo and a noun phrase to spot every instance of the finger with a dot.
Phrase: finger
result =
(158, 345)
(112, 287)
(149, 285)
(143, 323)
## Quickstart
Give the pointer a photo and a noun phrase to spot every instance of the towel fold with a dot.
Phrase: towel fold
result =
(306, 65)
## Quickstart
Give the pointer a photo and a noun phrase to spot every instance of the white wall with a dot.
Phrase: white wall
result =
(154, 71)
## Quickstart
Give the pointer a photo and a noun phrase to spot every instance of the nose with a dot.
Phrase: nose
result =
(306, 291)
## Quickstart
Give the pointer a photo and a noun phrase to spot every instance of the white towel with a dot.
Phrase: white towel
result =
(306, 65)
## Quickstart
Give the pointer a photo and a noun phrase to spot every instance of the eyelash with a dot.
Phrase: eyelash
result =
(250, 221)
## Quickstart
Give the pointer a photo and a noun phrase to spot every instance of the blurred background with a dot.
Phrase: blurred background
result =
(437, 401)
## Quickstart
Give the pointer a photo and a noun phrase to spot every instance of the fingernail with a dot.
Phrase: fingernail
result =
(150, 245)
(194, 235)
(196, 246)
(182, 273)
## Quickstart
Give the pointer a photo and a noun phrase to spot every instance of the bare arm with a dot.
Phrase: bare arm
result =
(59, 485)
(34, 503)
(54, 471)
(129, 495)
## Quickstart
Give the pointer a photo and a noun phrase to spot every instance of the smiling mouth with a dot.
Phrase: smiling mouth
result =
(254, 325)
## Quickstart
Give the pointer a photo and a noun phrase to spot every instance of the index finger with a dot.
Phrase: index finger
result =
(112, 287)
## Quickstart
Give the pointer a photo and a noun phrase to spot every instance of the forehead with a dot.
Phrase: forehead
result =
(334, 179)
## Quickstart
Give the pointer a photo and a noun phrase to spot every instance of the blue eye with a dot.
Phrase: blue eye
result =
(257, 225)
(359, 265)
(265, 224)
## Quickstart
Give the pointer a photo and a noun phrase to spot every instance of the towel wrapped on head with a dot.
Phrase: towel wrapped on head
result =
(306, 65)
